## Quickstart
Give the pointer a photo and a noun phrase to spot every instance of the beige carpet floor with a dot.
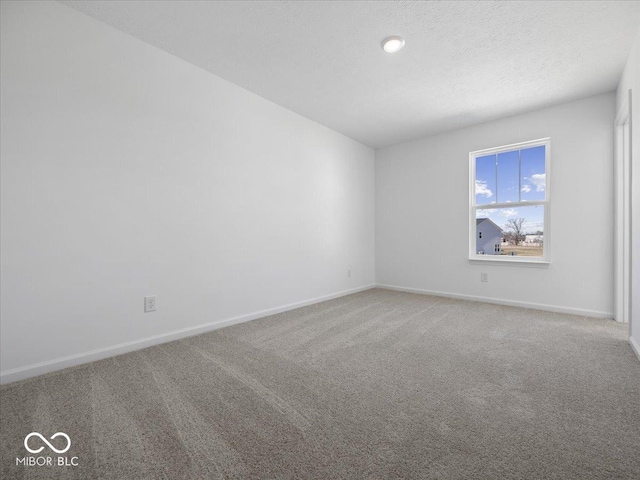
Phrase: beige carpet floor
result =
(375, 385)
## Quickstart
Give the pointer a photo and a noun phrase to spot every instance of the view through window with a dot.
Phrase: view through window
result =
(510, 202)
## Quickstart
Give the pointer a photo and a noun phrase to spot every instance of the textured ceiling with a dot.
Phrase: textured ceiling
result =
(463, 63)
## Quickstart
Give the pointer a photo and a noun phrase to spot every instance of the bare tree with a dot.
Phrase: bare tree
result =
(516, 224)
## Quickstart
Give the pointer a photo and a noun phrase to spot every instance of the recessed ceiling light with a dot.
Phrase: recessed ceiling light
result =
(392, 44)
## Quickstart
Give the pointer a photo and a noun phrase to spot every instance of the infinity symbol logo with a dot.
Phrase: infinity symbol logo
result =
(36, 434)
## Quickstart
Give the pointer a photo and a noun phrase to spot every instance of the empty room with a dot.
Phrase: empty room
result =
(320, 239)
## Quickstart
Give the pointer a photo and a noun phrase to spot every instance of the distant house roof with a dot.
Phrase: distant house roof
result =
(480, 220)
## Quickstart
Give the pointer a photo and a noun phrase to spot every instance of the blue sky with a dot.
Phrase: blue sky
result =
(516, 176)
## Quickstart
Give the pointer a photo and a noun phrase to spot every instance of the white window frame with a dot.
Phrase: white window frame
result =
(545, 260)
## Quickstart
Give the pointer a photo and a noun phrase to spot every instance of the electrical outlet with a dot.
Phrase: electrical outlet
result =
(150, 304)
(349, 272)
(484, 277)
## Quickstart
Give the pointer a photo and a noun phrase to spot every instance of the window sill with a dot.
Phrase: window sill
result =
(509, 261)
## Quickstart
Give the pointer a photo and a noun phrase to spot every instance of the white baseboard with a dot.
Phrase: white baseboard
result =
(635, 347)
(36, 369)
(499, 301)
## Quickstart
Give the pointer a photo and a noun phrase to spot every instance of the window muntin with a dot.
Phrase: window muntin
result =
(509, 188)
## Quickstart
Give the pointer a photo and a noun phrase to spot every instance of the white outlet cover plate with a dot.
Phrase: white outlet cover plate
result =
(150, 303)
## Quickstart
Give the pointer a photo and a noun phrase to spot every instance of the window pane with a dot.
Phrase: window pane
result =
(508, 177)
(518, 230)
(533, 175)
(486, 180)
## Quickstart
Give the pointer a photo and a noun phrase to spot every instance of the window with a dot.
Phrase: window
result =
(509, 203)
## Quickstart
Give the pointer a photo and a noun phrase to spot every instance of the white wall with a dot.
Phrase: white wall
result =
(128, 172)
(422, 216)
(631, 81)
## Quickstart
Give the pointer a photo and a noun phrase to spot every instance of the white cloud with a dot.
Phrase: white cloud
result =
(483, 189)
(485, 212)
(508, 212)
(533, 225)
(526, 188)
(539, 180)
